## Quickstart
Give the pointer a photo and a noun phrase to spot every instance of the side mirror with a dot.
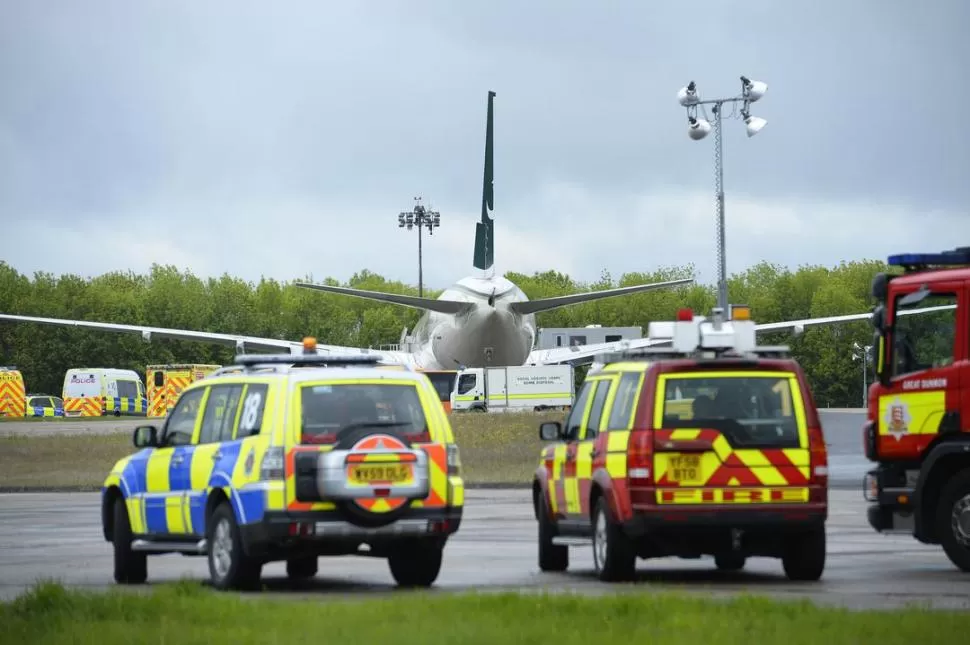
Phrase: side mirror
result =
(878, 319)
(880, 287)
(550, 431)
(145, 437)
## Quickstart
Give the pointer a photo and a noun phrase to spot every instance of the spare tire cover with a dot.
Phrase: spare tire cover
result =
(373, 511)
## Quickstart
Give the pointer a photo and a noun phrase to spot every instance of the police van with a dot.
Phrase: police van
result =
(99, 391)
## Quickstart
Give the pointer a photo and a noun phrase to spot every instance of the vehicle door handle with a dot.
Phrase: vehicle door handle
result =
(594, 453)
(177, 459)
(216, 456)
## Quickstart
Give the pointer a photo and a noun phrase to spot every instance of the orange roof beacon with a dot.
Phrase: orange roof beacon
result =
(702, 443)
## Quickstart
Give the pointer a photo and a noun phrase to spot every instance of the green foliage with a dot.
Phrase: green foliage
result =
(168, 297)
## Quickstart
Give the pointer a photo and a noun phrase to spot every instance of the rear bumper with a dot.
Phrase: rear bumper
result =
(779, 517)
(283, 533)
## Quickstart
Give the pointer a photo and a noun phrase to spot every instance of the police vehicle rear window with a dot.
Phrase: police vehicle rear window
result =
(750, 411)
(329, 411)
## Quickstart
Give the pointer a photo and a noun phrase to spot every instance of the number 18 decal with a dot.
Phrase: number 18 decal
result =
(251, 412)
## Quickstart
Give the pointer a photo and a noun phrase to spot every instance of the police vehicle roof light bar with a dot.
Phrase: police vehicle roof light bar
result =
(305, 359)
(916, 261)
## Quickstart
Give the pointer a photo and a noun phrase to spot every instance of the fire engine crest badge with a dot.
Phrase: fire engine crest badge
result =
(897, 418)
(250, 462)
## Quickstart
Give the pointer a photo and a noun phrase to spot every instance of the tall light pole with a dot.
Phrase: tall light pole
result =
(751, 91)
(864, 355)
(421, 218)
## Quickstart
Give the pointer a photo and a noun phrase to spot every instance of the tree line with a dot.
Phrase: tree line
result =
(169, 297)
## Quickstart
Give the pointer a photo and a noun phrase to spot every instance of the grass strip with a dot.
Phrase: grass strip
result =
(495, 448)
(187, 613)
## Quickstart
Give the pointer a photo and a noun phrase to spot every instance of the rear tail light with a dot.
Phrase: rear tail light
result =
(272, 465)
(639, 458)
(454, 460)
(818, 462)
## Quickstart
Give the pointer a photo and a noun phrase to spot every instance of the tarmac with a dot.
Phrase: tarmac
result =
(57, 536)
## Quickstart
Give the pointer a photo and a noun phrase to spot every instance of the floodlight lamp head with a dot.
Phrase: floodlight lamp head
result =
(687, 95)
(752, 90)
(754, 124)
(698, 128)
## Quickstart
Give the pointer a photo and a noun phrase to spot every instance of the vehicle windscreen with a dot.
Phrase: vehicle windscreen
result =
(924, 340)
(331, 410)
(750, 411)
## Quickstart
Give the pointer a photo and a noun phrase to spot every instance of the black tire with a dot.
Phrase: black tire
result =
(301, 568)
(552, 557)
(804, 556)
(614, 557)
(130, 567)
(729, 561)
(229, 566)
(416, 563)
(953, 520)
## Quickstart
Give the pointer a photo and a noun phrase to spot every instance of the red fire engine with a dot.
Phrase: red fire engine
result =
(918, 425)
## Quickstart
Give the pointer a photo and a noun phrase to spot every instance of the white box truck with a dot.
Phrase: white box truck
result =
(513, 389)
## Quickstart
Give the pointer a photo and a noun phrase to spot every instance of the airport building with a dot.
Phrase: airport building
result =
(553, 337)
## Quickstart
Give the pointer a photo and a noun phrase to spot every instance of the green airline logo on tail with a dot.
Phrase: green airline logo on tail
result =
(484, 241)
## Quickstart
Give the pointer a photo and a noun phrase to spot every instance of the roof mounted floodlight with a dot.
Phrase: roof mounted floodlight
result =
(752, 90)
(698, 128)
(688, 94)
(753, 124)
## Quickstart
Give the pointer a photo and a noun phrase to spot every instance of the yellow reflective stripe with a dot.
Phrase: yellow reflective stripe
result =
(156, 470)
(616, 440)
(175, 508)
(763, 469)
(136, 514)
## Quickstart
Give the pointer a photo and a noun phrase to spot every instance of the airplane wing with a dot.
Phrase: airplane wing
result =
(580, 354)
(429, 304)
(545, 304)
(241, 343)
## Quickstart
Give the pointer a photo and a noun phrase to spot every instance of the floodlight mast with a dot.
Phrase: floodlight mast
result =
(421, 218)
(697, 129)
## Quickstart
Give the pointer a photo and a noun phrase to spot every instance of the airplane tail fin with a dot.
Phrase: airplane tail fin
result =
(427, 304)
(484, 230)
(545, 304)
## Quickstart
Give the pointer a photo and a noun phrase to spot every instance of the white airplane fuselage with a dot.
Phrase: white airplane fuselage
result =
(488, 335)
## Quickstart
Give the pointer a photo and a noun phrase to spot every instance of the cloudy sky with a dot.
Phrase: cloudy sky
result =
(282, 139)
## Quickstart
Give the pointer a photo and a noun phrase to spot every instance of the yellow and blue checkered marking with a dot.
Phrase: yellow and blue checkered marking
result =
(135, 406)
(167, 489)
(38, 411)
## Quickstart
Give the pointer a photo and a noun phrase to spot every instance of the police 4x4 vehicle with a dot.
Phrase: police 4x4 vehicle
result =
(291, 458)
(708, 446)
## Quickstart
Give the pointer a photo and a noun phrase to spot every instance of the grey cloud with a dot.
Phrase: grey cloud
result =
(231, 112)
